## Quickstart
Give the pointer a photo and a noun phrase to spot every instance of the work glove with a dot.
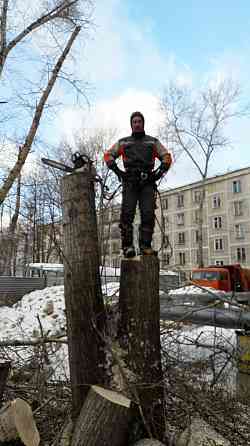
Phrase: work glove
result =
(120, 173)
(160, 172)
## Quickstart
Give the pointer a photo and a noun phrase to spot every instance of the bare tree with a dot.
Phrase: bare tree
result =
(195, 123)
(59, 23)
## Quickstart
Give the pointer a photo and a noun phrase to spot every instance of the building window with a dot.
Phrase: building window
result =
(219, 262)
(115, 248)
(180, 219)
(216, 201)
(218, 244)
(166, 259)
(182, 259)
(239, 232)
(116, 263)
(181, 238)
(165, 223)
(197, 216)
(197, 236)
(106, 232)
(241, 254)
(164, 203)
(180, 200)
(115, 215)
(197, 196)
(236, 186)
(217, 222)
(238, 208)
(106, 216)
(115, 232)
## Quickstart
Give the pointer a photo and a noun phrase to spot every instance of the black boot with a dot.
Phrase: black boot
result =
(147, 251)
(129, 252)
(145, 240)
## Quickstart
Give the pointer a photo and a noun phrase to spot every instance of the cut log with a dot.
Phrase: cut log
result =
(103, 419)
(16, 420)
(140, 325)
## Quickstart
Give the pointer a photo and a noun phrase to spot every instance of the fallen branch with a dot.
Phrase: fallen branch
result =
(29, 342)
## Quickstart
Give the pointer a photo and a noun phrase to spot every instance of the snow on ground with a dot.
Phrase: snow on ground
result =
(46, 309)
(192, 289)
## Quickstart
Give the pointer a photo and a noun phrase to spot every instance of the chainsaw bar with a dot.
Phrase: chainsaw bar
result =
(57, 165)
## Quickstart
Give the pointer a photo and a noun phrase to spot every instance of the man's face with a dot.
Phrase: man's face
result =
(137, 124)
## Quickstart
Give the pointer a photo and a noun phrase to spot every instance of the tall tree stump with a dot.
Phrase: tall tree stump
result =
(82, 286)
(103, 419)
(140, 325)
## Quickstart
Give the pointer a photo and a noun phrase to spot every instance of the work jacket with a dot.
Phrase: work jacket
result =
(138, 153)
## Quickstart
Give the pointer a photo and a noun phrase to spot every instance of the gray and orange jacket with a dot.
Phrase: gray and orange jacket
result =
(138, 153)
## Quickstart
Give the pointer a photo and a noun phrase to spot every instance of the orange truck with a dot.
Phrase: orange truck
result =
(227, 277)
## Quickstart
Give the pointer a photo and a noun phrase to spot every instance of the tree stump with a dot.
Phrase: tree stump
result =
(16, 420)
(103, 419)
(82, 287)
(140, 325)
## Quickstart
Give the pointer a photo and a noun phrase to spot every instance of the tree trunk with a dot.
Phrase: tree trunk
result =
(4, 372)
(12, 231)
(103, 419)
(82, 287)
(200, 228)
(140, 325)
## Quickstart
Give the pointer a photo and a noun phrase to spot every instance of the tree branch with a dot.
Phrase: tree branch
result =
(51, 15)
(29, 342)
(36, 120)
(3, 21)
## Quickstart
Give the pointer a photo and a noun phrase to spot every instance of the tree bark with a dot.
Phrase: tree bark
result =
(82, 287)
(12, 231)
(140, 325)
(103, 419)
(4, 372)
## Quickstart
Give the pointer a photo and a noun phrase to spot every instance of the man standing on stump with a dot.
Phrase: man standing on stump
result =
(138, 152)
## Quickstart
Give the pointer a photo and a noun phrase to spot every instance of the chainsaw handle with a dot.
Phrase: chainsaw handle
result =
(79, 160)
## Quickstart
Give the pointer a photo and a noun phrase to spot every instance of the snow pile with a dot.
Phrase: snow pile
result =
(192, 289)
(49, 306)
(42, 313)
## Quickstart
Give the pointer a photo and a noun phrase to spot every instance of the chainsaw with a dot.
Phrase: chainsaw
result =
(77, 159)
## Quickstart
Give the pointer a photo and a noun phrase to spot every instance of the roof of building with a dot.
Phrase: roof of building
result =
(208, 180)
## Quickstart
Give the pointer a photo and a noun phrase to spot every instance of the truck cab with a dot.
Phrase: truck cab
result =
(229, 278)
(213, 277)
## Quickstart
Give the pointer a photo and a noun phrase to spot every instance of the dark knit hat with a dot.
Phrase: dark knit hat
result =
(136, 113)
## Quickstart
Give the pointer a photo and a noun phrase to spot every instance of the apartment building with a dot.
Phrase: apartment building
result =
(226, 224)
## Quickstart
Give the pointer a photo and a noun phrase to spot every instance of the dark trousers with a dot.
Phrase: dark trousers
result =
(142, 193)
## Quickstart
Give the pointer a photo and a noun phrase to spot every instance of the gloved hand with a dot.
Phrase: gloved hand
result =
(158, 173)
(120, 173)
